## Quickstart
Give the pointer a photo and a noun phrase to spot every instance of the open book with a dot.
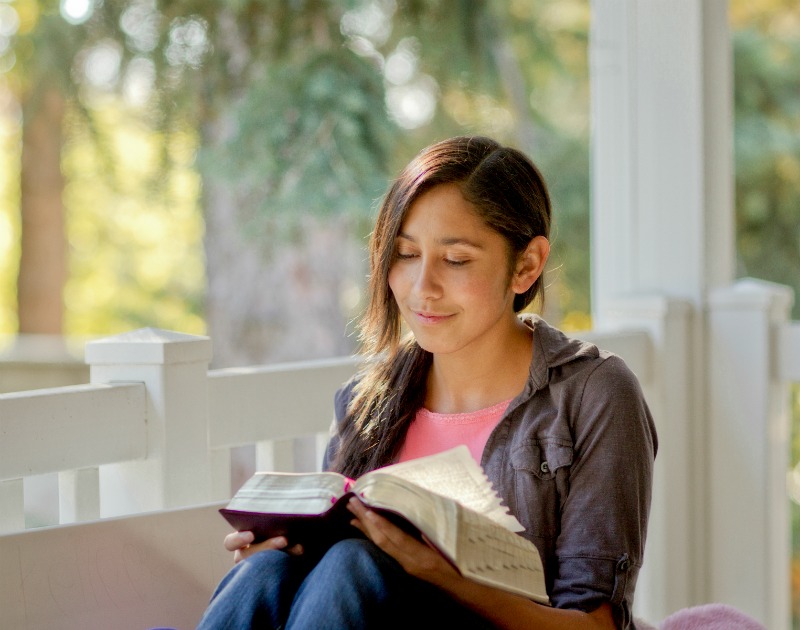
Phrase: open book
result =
(446, 496)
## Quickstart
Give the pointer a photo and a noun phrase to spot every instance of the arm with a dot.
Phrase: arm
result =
(604, 512)
(503, 609)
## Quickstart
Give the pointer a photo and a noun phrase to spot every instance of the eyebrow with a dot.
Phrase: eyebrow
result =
(448, 240)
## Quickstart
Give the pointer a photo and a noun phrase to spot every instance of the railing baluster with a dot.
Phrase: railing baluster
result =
(12, 506)
(78, 495)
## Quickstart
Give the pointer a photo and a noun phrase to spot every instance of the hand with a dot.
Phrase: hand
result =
(419, 559)
(241, 544)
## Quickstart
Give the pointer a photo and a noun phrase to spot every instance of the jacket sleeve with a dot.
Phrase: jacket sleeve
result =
(341, 400)
(604, 519)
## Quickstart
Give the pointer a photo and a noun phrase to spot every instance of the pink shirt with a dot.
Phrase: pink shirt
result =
(432, 432)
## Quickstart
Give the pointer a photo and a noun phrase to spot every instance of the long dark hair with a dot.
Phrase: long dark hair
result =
(510, 195)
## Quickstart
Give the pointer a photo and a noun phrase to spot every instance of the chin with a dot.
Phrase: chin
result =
(435, 346)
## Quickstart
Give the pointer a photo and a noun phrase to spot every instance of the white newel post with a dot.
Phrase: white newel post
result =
(749, 435)
(662, 225)
(174, 368)
(673, 549)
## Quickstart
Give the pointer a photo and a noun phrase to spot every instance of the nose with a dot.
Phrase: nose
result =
(426, 283)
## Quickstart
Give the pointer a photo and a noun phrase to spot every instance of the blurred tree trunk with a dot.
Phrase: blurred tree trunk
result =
(269, 299)
(43, 261)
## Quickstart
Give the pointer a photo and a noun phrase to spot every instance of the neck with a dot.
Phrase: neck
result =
(477, 378)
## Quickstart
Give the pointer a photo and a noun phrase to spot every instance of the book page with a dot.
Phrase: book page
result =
(289, 493)
(500, 558)
(456, 475)
(482, 549)
(434, 515)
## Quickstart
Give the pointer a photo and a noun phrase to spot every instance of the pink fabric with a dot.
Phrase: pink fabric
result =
(432, 432)
(710, 617)
(706, 617)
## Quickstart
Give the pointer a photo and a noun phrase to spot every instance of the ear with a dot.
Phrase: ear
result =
(530, 264)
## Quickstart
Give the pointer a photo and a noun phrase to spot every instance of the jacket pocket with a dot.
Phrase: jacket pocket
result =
(541, 470)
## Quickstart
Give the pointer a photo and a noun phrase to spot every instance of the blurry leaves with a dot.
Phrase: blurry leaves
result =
(309, 139)
(285, 102)
(767, 148)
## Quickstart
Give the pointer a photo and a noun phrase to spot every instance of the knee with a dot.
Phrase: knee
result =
(265, 561)
(356, 557)
(256, 567)
(354, 551)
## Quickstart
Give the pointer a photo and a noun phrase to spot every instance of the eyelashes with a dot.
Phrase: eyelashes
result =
(448, 261)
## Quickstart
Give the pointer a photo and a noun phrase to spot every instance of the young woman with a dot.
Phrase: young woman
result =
(560, 427)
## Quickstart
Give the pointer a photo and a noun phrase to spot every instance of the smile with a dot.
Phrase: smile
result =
(430, 318)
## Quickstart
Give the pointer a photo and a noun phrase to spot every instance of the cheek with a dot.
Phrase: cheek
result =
(487, 289)
(395, 281)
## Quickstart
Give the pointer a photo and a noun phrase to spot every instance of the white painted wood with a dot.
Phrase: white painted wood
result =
(220, 470)
(275, 455)
(661, 149)
(248, 405)
(634, 346)
(673, 553)
(662, 225)
(789, 353)
(143, 571)
(49, 430)
(78, 495)
(12, 506)
(148, 346)
(719, 243)
(749, 537)
(177, 468)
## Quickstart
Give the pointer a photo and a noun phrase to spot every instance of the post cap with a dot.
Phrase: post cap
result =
(147, 346)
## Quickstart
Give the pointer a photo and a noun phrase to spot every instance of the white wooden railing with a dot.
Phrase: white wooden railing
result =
(151, 435)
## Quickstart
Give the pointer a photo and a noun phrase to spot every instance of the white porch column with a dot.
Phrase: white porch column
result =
(174, 368)
(662, 225)
(662, 158)
(750, 544)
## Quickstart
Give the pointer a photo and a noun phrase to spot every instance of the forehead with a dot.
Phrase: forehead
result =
(443, 207)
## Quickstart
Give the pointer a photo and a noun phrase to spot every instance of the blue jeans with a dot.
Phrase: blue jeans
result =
(354, 586)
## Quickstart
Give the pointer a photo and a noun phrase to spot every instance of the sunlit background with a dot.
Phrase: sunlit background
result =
(213, 167)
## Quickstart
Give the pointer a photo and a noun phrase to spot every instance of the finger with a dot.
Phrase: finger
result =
(357, 507)
(419, 558)
(377, 528)
(237, 540)
(277, 543)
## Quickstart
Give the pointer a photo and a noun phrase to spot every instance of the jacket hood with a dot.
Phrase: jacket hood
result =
(552, 348)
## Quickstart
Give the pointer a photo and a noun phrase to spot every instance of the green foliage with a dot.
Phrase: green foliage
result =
(767, 142)
(310, 139)
(135, 259)
(289, 101)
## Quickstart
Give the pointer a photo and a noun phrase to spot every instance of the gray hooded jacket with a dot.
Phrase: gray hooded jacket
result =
(572, 458)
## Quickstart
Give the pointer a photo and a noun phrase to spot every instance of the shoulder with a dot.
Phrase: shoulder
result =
(344, 395)
(561, 355)
(593, 389)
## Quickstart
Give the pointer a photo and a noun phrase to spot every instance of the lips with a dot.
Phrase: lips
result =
(430, 318)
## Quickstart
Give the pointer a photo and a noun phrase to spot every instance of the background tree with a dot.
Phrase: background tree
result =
(39, 83)
(299, 112)
(767, 136)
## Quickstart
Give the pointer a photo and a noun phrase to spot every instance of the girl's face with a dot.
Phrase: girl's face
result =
(451, 277)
